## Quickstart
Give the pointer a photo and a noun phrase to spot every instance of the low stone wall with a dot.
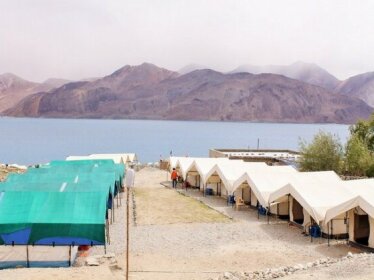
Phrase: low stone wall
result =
(288, 270)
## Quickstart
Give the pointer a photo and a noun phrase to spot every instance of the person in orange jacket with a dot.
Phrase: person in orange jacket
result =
(174, 177)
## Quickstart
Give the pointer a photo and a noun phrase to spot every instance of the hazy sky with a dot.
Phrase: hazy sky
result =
(87, 38)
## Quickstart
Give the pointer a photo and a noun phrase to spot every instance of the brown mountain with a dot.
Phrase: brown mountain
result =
(13, 89)
(150, 92)
(360, 86)
(306, 72)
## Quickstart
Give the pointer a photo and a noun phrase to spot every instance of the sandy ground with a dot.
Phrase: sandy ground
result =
(5, 171)
(186, 236)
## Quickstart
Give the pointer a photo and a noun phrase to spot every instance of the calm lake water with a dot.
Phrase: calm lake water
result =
(28, 141)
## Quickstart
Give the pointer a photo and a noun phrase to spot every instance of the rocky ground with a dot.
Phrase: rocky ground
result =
(6, 170)
(352, 266)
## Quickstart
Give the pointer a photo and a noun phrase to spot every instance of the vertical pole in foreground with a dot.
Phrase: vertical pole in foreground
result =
(27, 255)
(127, 231)
(69, 255)
(113, 209)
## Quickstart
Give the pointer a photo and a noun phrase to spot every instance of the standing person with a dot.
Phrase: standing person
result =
(174, 178)
(129, 178)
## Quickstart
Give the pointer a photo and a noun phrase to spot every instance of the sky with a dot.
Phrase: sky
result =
(75, 39)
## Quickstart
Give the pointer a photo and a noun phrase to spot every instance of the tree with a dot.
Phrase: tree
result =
(324, 153)
(364, 129)
(358, 158)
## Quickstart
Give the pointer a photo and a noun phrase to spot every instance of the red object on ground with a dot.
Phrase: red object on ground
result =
(83, 248)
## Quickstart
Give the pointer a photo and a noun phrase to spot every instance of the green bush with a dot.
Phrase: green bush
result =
(324, 153)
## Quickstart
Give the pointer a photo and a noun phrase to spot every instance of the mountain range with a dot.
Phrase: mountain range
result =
(299, 92)
(13, 89)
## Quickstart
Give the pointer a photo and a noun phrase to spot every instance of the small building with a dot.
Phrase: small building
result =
(269, 156)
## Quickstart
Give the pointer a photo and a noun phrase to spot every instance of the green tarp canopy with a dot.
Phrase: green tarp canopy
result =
(61, 203)
(84, 166)
(46, 218)
(78, 181)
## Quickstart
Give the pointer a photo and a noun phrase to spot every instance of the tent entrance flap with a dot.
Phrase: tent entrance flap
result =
(361, 229)
(297, 212)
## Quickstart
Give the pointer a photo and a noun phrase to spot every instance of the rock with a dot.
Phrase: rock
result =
(109, 255)
(227, 275)
(91, 261)
(349, 255)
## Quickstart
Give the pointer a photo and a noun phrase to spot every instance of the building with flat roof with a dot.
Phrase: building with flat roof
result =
(270, 156)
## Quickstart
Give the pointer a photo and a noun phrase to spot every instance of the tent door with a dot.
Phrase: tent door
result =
(361, 229)
(297, 212)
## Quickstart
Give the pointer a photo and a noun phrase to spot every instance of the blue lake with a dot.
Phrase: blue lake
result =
(28, 141)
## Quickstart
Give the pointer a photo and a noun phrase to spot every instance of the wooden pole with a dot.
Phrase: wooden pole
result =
(27, 255)
(347, 226)
(69, 255)
(117, 199)
(127, 231)
(113, 209)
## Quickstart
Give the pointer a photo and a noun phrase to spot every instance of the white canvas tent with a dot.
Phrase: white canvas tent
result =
(185, 165)
(233, 173)
(313, 193)
(359, 211)
(267, 180)
(173, 162)
(207, 170)
(125, 158)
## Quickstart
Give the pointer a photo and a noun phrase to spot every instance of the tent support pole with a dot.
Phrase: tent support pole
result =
(69, 255)
(347, 226)
(277, 211)
(204, 189)
(250, 196)
(113, 209)
(268, 214)
(27, 255)
(328, 234)
(107, 235)
(288, 205)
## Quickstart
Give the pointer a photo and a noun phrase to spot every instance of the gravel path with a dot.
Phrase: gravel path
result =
(206, 250)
